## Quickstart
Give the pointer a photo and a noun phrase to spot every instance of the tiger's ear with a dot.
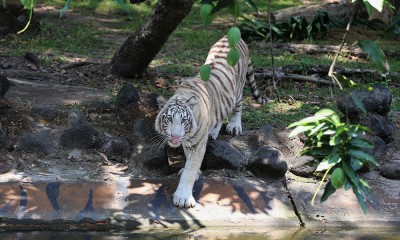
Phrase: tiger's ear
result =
(161, 101)
(192, 102)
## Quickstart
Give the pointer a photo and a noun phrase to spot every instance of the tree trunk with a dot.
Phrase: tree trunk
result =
(142, 46)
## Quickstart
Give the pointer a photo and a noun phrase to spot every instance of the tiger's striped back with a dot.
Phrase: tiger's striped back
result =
(236, 77)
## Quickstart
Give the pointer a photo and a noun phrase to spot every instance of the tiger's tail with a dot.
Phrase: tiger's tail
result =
(253, 86)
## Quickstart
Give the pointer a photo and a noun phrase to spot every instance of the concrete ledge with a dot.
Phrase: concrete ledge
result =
(144, 203)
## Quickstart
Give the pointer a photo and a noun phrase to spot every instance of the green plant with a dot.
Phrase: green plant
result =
(294, 29)
(207, 11)
(27, 102)
(339, 146)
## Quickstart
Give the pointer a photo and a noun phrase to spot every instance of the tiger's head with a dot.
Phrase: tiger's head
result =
(175, 119)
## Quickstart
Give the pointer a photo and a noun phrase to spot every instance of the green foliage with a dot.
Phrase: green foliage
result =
(294, 29)
(376, 54)
(206, 15)
(375, 4)
(337, 145)
(205, 72)
(233, 37)
(65, 8)
(28, 5)
(233, 57)
(394, 27)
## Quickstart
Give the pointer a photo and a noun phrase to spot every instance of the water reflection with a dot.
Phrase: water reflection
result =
(212, 234)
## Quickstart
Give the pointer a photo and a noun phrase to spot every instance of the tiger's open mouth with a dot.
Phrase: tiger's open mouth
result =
(175, 141)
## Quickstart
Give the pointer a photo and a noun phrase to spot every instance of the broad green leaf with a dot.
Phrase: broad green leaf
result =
(338, 178)
(345, 81)
(28, 4)
(300, 129)
(65, 8)
(335, 119)
(377, 4)
(335, 140)
(347, 185)
(329, 132)
(307, 120)
(365, 184)
(376, 54)
(252, 5)
(329, 190)
(205, 72)
(393, 29)
(360, 199)
(324, 112)
(351, 174)
(359, 103)
(233, 37)
(123, 5)
(334, 159)
(317, 128)
(361, 143)
(316, 151)
(205, 14)
(362, 155)
(356, 164)
(235, 9)
(233, 57)
(368, 7)
(324, 165)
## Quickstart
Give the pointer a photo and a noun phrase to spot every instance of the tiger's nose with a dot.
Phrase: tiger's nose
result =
(175, 139)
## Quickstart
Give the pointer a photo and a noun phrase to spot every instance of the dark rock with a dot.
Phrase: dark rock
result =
(45, 112)
(391, 170)
(152, 158)
(117, 146)
(380, 150)
(268, 163)
(221, 155)
(37, 142)
(304, 166)
(76, 117)
(382, 127)
(277, 136)
(6, 65)
(4, 85)
(81, 137)
(376, 101)
(127, 96)
(151, 101)
(99, 105)
(3, 137)
(139, 128)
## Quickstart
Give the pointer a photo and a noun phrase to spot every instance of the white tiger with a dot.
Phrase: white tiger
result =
(198, 109)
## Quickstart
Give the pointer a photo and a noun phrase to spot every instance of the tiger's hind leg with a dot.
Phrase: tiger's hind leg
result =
(234, 126)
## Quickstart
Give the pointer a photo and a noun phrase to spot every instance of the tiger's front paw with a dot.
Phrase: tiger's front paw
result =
(234, 128)
(183, 200)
